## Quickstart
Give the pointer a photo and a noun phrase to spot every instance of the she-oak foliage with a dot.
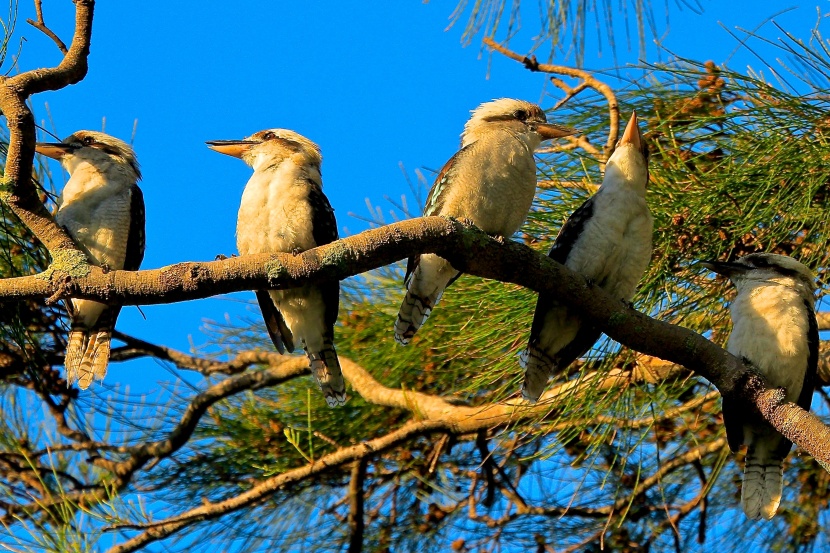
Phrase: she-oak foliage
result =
(737, 166)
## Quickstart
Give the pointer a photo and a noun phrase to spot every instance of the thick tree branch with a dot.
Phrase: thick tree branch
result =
(473, 252)
(17, 189)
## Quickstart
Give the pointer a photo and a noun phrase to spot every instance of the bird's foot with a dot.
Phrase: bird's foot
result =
(296, 251)
(105, 268)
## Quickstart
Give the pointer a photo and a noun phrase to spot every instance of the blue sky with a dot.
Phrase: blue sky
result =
(376, 84)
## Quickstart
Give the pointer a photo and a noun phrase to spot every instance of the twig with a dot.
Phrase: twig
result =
(41, 26)
(157, 530)
(356, 500)
(588, 80)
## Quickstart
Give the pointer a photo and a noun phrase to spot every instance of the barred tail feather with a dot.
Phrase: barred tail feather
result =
(538, 367)
(95, 358)
(75, 346)
(762, 488)
(325, 367)
(414, 312)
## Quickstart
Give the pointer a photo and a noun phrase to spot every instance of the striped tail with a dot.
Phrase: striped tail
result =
(762, 488)
(87, 355)
(325, 367)
(538, 367)
(414, 312)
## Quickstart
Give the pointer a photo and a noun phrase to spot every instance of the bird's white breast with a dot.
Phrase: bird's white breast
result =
(614, 248)
(275, 215)
(493, 184)
(770, 329)
(95, 208)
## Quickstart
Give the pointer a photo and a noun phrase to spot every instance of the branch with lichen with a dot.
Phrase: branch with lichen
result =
(473, 252)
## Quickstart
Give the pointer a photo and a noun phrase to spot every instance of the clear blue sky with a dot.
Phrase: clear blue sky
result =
(376, 84)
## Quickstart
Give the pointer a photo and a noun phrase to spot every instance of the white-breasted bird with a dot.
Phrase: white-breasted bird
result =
(608, 241)
(283, 209)
(102, 208)
(490, 181)
(774, 329)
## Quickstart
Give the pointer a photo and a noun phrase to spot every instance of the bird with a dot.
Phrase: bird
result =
(490, 182)
(284, 209)
(102, 208)
(774, 329)
(608, 240)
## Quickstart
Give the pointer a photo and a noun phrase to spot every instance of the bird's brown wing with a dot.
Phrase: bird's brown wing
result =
(136, 236)
(275, 324)
(324, 231)
(435, 201)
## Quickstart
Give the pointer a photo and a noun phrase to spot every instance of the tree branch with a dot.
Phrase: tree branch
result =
(470, 251)
(356, 499)
(158, 530)
(17, 189)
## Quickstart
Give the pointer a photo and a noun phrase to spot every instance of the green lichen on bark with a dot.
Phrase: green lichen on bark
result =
(618, 319)
(335, 254)
(275, 270)
(67, 262)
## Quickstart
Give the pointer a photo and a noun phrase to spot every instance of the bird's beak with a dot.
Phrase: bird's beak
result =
(724, 268)
(235, 148)
(550, 130)
(632, 132)
(55, 150)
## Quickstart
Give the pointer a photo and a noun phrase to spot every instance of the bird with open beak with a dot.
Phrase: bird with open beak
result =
(102, 208)
(608, 241)
(774, 329)
(284, 210)
(491, 182)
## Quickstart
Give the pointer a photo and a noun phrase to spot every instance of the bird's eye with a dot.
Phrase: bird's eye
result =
(269, 136)
(521, 115)
(88, 140)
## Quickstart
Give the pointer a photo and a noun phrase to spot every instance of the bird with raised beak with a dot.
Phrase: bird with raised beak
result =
(284, 210)
(608, 241)
(490, 182)
(102, 208)
(774, 329)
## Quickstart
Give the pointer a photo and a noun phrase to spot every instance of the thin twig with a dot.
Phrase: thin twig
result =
(588, 80)
(40, 25)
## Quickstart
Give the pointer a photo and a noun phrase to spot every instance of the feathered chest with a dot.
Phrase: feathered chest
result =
(275, 214)
(96, 211)
(770, 328)
(612, 244)
(493, 184)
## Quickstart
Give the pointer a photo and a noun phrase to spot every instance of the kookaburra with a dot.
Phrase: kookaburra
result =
(608, 241)
(491, 182)
(284, 209)
(774, 329)
(102, 208)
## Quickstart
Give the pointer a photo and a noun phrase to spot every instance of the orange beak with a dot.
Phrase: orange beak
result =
(632, 132)
(233, 148)
(550, 130)
(55, 150)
